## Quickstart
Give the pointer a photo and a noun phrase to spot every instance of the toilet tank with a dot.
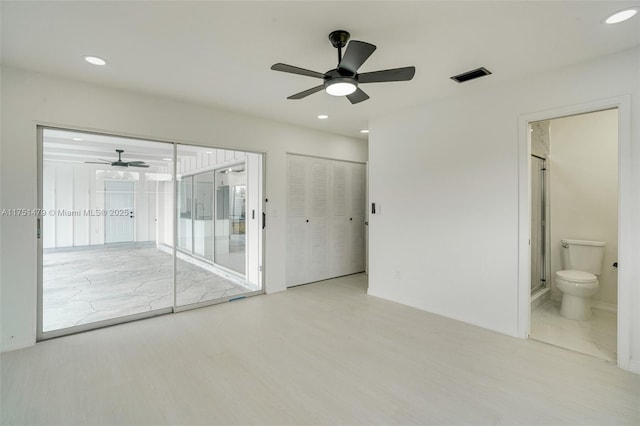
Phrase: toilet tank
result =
(581, 255)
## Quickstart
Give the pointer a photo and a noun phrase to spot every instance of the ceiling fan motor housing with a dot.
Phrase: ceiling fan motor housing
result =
(339, 38)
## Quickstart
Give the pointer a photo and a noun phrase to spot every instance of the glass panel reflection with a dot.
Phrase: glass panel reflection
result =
(212, 256)
(231, 194)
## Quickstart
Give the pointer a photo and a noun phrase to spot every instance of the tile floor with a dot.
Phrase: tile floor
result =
(84, 285)
(596, 337)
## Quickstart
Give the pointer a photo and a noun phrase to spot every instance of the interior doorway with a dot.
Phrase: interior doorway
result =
(574, 212)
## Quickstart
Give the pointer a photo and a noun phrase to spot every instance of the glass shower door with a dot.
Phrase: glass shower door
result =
(538, 224)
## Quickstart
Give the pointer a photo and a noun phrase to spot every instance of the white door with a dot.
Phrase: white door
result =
(296, 245)
(325, 219)
(119, 215)
(357, 218)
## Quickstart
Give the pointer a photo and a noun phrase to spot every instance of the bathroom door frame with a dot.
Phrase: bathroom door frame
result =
(625, 223)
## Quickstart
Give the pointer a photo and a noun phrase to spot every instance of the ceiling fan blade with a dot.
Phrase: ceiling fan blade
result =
(357, 52)
(307, 92)
(396, 74)
(137, 165)
(296, 70)
(135, 162)
(357, 96)
(97, 162)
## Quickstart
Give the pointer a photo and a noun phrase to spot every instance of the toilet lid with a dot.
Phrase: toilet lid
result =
(577, 276)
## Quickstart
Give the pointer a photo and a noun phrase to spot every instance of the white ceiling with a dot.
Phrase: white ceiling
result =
(219, 53)
(79, 147)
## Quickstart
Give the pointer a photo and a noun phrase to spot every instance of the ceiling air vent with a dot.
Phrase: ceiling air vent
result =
(470, 75)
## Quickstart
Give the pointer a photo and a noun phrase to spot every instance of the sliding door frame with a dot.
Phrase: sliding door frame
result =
(40, 334)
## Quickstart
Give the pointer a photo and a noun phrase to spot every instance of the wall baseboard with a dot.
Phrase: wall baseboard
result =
(609, 307)
(634, 366)
(15, 345)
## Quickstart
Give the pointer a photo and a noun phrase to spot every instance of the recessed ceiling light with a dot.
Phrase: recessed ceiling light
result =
(77, 139)
(209, 152)
(621, 16)
(364, 131)
(323, 116)
(95, 60)
(167, 159)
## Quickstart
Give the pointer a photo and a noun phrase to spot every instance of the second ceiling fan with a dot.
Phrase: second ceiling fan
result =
(344, 80)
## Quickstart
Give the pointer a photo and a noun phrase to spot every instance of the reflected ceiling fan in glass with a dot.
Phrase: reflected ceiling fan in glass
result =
(119, 162)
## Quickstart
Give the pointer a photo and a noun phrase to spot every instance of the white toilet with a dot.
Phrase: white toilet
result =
(579, 281)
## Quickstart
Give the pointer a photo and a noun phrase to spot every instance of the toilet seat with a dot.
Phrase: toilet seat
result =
(576, 288)
(577, 276)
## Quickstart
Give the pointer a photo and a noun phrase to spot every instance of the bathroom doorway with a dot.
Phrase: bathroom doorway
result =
(574, 204)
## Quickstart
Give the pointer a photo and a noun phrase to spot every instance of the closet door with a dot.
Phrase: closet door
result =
(297, 239)
(325, 219)
(340, 256)
(318, 221)
(357, 218)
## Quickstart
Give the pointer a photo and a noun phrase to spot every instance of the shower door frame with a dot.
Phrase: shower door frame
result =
(544, 222)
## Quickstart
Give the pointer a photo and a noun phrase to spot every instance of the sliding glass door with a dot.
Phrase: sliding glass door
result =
(106, 246)
(111, 210)
(212, 258)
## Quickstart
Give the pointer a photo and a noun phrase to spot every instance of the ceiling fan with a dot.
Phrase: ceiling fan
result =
(344, 80)
(120, 163)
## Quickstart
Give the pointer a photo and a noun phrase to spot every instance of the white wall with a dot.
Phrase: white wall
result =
(583, 174)
(194, 160)
(448, 241)
(29, 98)
(80, 188)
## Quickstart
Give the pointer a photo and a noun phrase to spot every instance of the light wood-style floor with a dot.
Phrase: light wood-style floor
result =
(325, 353)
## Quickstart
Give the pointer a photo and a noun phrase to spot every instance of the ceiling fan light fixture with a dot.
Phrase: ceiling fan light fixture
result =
(340, 86)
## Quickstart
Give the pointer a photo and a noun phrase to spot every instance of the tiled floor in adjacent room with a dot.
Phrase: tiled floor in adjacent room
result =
(596, 337)
(88, 284)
